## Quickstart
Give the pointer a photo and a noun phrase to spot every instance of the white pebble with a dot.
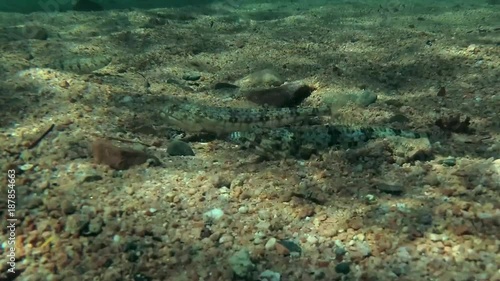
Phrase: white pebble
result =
(243, 210)
(270, 243)
(312, 240)
(214, 214)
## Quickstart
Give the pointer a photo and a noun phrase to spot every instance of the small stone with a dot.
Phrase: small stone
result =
(343, 268)
(179, 148)
(269, 275)
(93, 228)
(243, 210)
(281, 250)
(366, 98)
(270, 244)
(312, 239)
(340, 251)
(191, 77)
(355, 223)
(370, 199)
(450, 162)
(260, 79)
(104, 152)
(264, 215)
(287, 95)
(74, 224)
(26, 167)
(361, 98)
(150, 211)
(287, 247)
(473, 49)
(213, 215)
(394, 189)
(52, 204)
(241, 264)
(68, 207)
(434, 237)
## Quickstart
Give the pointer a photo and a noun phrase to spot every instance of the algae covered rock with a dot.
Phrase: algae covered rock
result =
(241, 264)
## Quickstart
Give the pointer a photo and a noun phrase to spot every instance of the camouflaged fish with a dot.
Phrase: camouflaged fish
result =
(81, 65)
(224, 120)
(303, 141)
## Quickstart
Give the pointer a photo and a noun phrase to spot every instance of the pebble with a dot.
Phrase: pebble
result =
(118, 158)
(287, 247)
(243, 210)
(287, 95)
(260, 79)
(179, 148)
(264, 215)
(343, 267)
(191, 77)
(270, 244)
(213, 215)
(394, 189)
(269, 275)
(68, 207)
(450, 162)
(26, 167)
(311, 239)
(241, 264)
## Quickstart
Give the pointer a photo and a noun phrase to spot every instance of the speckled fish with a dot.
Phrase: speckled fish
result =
(303, 141)
(224, 120)
(81, 65)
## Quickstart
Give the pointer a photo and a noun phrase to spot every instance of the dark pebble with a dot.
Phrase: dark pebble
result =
(343, 267)
(191, 77)
(394, 189)
(291, 246)
(179, 148)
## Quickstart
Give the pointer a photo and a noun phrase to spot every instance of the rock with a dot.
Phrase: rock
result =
(191, 77)
(287, 95)
(179, 148)
(93, 228)
(68, 207)
(269, 275)
(454, 123)
(87, 174)
(75, 223)
(213, 215)
(241, 264)
(406, 150)
(270, 244)
(104, 152)
(355, 223)
(260, 79)
(287, 247)
(394, 189)
(361, 98)
(450, 162)
(365, 98)
(343, 267)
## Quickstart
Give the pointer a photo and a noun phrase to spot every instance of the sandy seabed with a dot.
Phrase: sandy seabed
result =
(342, 215)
